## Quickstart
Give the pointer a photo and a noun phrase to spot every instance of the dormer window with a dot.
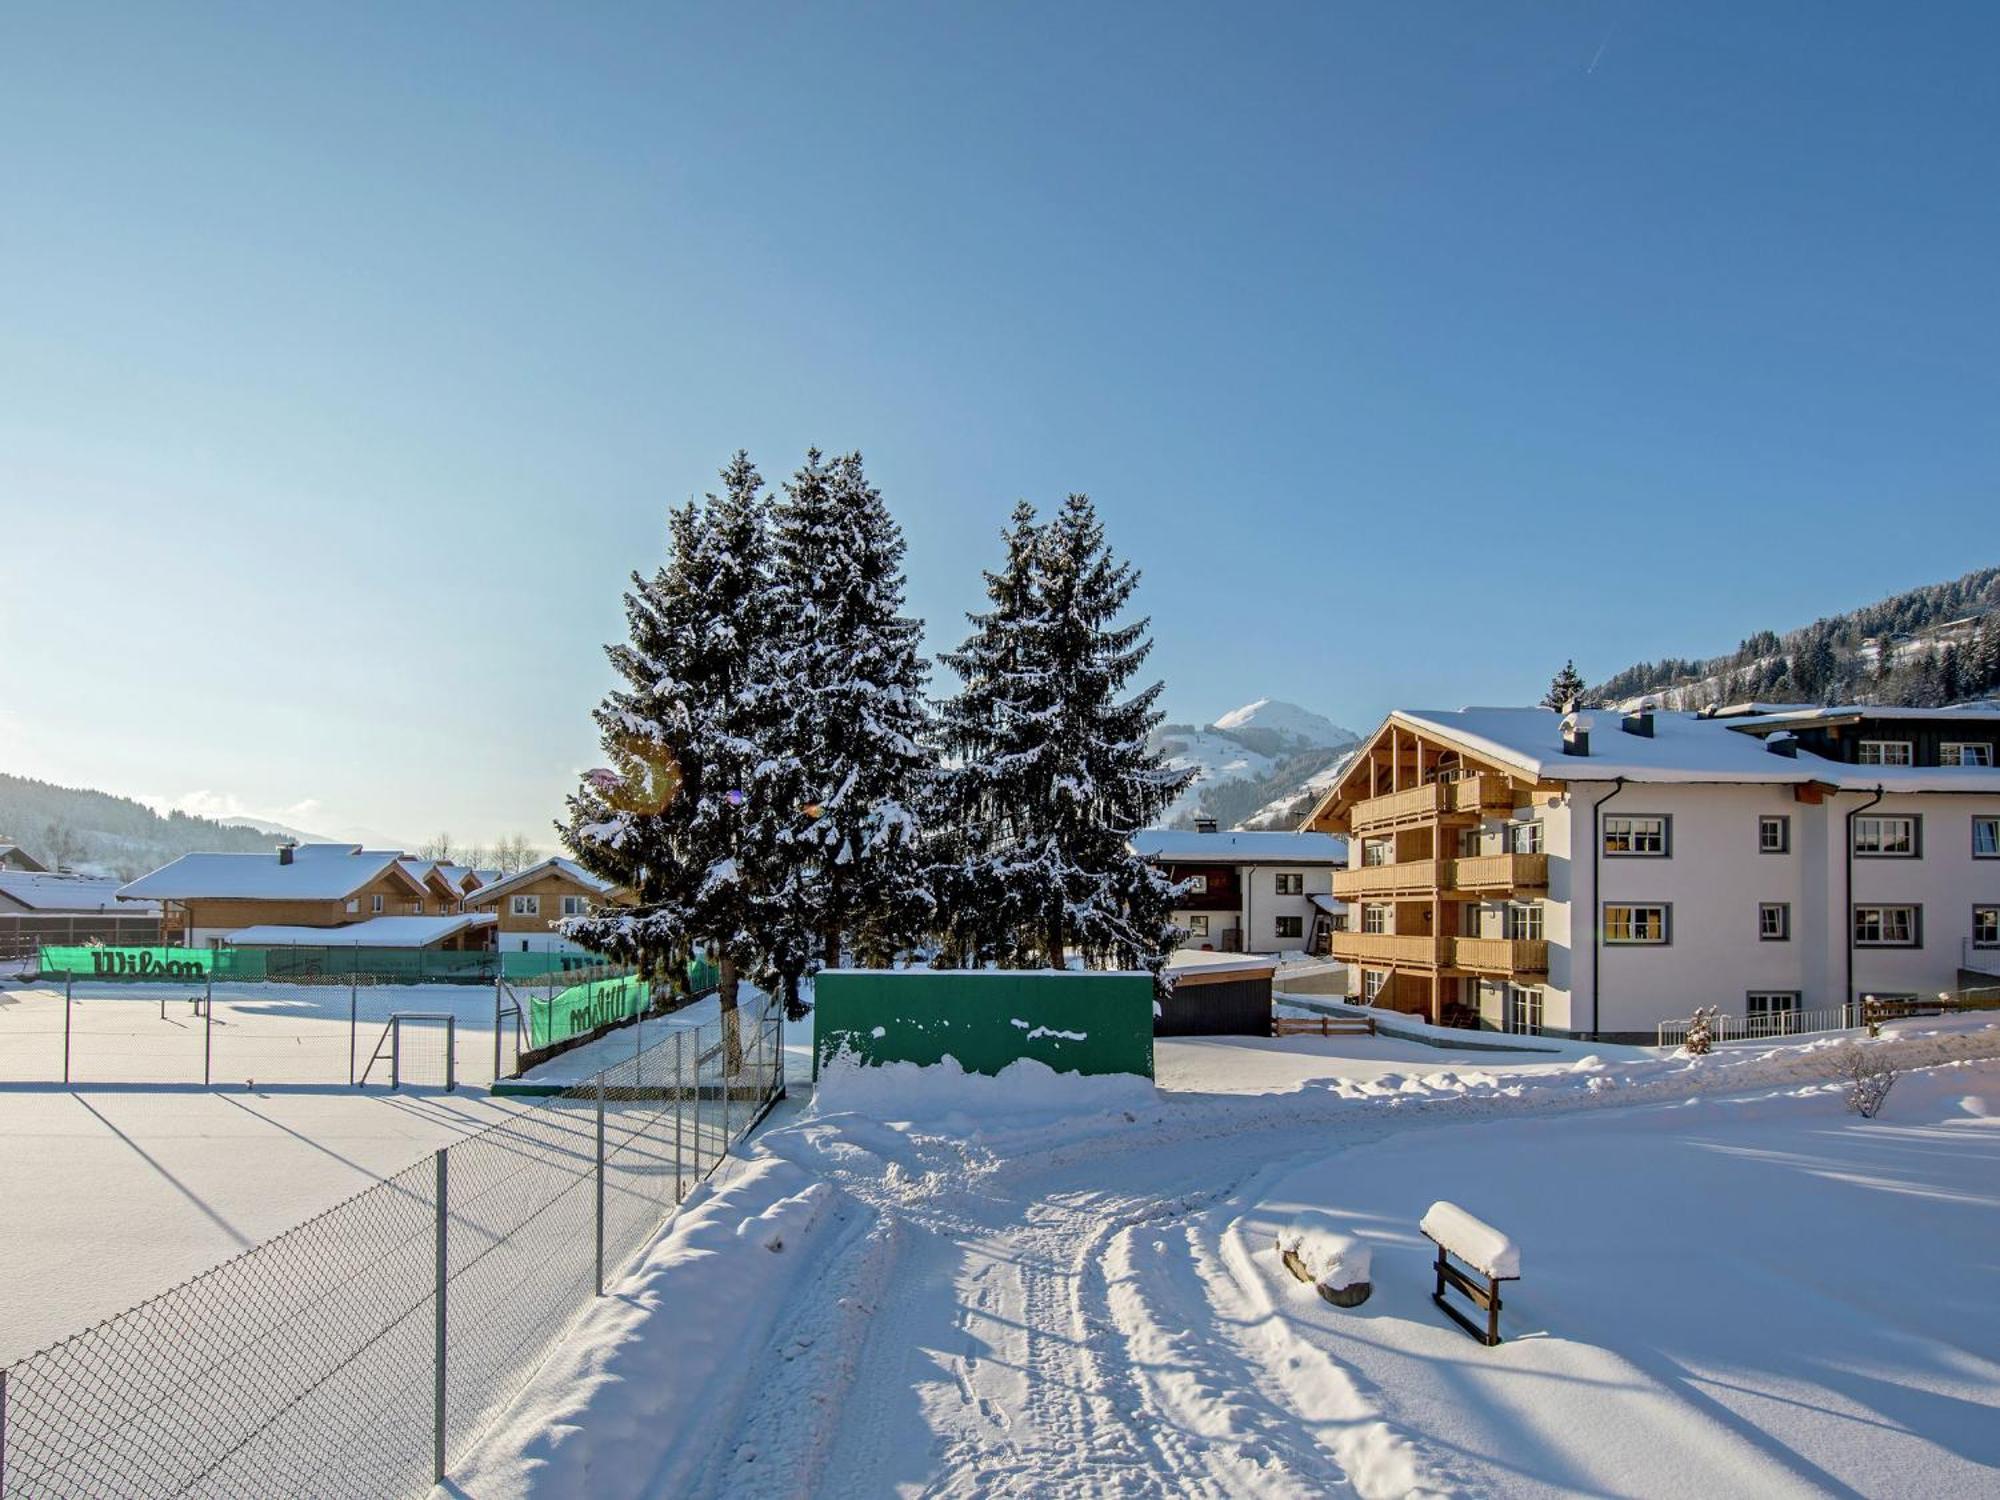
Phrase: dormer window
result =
(1885, 753)
(1966, 753)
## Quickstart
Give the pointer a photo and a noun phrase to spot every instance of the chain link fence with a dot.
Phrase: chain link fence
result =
(365, 1350)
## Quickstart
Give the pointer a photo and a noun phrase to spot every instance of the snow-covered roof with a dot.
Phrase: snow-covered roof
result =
(1239, 847)
(1199, 960)
(554, 865)
(14, 855)
(455, 874)
(1866, 713)
(377, 932)
(314, 874)
(40, 890)
(1682, 748)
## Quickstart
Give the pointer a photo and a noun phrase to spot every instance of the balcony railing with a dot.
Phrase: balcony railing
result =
(1476, 795)
(1497, 872)
(1499, 955)
(1384, 948)
(1412, 877)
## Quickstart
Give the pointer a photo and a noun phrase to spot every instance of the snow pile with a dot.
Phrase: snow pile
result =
(1334, 1258)
(1472, 1240)
(635, 1399)
(905, 1091)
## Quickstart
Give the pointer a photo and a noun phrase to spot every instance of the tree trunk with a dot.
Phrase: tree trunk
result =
(830, 949)
(1056, 960)
(732, 1026)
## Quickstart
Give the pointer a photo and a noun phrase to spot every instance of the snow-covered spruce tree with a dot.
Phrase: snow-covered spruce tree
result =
(1566, 689)
(1052, 773)
(686, 816)
(856, 719)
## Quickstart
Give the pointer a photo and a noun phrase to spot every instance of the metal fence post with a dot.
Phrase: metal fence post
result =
(353, 1023)
(69, 984)
(450, 1052)
(208, 1037)
(725, 1079)
(496, 1027)
(780, 1041)
(395, 1052)
(697, 1104)
(600, 1184)
(437, 1361)
(680, 1116)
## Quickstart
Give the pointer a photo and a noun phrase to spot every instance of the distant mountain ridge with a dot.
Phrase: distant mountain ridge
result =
(1921, 648)
(1252, 763)
(101, 834)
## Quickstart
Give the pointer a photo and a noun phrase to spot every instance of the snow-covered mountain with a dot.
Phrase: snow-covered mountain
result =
(1252, 763)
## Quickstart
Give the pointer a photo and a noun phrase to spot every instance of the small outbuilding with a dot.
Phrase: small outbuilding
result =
(1216, 994)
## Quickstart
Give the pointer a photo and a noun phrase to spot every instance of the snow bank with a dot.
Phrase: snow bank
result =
(1335, 1258)
(638, 1392)
(1472, 1240)
(905, 1091)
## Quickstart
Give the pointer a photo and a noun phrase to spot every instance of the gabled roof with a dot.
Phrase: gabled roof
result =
(13, 856)
(39, 890)
(1682, 748)
(377, 932)
(1239, 847)
(316, 873)
(554, 865)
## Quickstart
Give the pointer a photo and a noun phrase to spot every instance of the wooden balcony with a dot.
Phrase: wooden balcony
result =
(1496, 873)
(1504, 956)
(1385, 949)
(1416, 877)
(1472, 797)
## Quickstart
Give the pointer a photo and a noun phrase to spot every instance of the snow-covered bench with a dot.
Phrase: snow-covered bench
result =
(1336, 1263)
(1457, 1234)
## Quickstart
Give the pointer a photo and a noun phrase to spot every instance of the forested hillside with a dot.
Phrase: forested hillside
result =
(100, 833)
(1930, 646)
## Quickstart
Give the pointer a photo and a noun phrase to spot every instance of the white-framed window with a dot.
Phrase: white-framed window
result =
(1636, 923)
(375, 904)
(1774, 834)
(525, 906)
(1771, 1012)
(1986, 838)
(1524, 921)
(1197, 885)
(1888, 926)
(1986, 926)
(1373, 982)
(1637, 835)
(1524, 838)
(1291, 927)
(1375, 918)
(1966, 753)
(1885, 752)
(1886, 838)
(1378, 851)
(1198, 924)
(1291, 883)
(575, 906)
(1524, 1009)
(1774, 921)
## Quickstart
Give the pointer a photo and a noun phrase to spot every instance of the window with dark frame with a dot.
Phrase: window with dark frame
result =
(1636, 923)
(1986, 926)
(1888, 927)
(1290, 927)
(1642, 836)
(1986, 838)
(1774, 921)
(1774, 834)
(1886, 837)
(1291, 883)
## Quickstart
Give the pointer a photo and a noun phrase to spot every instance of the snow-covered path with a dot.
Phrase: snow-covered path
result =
(1033, 1333)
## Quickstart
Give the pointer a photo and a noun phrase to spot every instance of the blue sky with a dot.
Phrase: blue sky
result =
(349, 360)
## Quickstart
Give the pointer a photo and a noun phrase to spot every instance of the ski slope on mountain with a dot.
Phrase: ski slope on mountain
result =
(1087, 1299)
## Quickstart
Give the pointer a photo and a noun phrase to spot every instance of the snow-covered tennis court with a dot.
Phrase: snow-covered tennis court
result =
(1730, 1286)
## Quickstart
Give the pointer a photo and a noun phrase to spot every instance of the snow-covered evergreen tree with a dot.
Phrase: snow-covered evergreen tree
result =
(689, 813)
(1566, 689)
(855, 718)
(1051, 774)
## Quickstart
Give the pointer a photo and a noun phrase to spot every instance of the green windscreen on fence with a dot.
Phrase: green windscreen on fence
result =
(601, 1002)
(1075, 1022)
(311, 962)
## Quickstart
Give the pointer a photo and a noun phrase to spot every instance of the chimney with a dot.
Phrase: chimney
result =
(1784, 743)
(1204, 825)
(1640, 723)
(1576, 734)
(285, 851)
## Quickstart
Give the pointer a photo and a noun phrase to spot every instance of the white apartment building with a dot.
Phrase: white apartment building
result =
(1246, 892)
(1598, 874)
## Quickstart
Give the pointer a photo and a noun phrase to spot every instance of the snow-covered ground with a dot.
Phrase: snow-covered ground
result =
(1731, 1286)
(110, 1196)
